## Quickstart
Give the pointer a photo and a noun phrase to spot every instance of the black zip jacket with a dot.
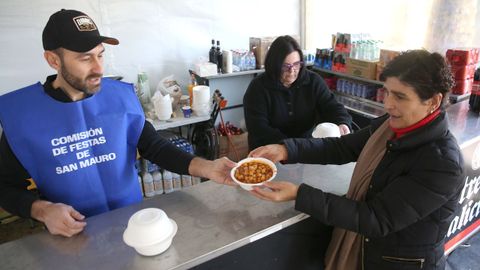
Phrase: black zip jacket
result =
(16, 199)
(274, 112)
(411, 198)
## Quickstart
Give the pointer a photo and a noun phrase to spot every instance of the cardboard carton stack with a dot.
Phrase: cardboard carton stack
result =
(341, 51)
(385, 57)
(463, 62)
(259, 46)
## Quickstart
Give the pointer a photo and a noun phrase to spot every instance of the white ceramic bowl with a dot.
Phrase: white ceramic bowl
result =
(150, 231)
(250, 186)
(326, 129)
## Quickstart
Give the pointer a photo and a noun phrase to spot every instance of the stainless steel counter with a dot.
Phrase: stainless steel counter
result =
(464, 124)
(212, 219)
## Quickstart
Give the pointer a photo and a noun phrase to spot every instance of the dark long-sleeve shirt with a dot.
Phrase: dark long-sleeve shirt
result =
(16, 199)
(274, 112)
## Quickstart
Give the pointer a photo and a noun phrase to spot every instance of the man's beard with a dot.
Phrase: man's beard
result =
(78, 83)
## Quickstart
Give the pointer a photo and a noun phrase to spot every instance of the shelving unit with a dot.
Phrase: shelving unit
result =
(233, 86)
(452, 98)
(177, 121)
(348, 76)
(361, 109)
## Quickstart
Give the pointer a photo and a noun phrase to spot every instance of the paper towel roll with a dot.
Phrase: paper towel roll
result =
(201, 94)
(227, 61)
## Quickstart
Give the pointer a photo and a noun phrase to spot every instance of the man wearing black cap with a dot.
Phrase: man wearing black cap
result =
(77, 135)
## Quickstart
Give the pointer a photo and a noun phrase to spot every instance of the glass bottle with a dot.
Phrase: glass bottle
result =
(211, 54)
(219, 56)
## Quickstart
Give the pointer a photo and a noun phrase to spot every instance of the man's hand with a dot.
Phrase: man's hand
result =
(59, 218)
(344, 130)
(217, 170)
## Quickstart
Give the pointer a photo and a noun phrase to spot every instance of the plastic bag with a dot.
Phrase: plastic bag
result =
(169, 85)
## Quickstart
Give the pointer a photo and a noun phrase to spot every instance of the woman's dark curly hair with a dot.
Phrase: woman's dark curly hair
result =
(280, 48)
(428, 73)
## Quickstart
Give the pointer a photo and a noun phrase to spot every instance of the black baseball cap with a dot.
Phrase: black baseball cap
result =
(72, 30)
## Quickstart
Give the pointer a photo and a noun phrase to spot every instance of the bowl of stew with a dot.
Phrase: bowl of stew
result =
(251, 172)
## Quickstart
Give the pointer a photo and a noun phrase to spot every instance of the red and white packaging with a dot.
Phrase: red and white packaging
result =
(463, 72)
(462, 56)
(462, 86)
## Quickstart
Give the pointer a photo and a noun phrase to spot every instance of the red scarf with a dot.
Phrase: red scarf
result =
(399, 132)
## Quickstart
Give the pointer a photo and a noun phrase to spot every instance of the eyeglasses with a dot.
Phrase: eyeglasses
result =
(295, 66)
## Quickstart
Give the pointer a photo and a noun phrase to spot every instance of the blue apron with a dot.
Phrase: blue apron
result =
(80, 153)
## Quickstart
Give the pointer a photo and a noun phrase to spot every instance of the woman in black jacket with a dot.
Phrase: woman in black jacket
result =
(288, 101)
(406, 182)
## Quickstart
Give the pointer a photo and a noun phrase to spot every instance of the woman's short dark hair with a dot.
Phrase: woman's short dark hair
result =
(428, 73)
(280, 48)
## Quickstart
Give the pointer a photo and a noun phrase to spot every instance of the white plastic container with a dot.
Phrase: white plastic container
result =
(150, 231)
(326, 129)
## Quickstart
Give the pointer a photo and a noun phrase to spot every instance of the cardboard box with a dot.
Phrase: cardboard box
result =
(463, 72)
(463, 56)
(379, 71)
(206, 69)
(387, 56)
(362, 68)
(462, 87)
(240, 143)
(259, 46)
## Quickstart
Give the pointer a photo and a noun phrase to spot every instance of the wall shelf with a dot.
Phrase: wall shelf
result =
(344, 75)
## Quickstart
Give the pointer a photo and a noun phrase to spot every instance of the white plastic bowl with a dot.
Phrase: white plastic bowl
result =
(326, 129)
(150, 231)
(250, 186)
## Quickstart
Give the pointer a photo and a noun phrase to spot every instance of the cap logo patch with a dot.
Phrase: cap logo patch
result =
(84, 23)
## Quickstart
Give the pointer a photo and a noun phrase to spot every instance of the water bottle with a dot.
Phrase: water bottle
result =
(148, 187)
(157, 182)
(196, 180)
(167, 181)
(353, 49)
(186, 180)
(140, 182)
(177, 181)
(254, 60)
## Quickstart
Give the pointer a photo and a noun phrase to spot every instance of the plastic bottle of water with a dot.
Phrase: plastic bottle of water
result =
(148, 187)
(157, 182)
(141, 184)
(186, 180)
(254, 60)
(177, 182)
(353, 49)
(196, 180)
(167, 181)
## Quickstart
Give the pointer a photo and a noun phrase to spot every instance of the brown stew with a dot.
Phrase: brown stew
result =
(253, 172)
